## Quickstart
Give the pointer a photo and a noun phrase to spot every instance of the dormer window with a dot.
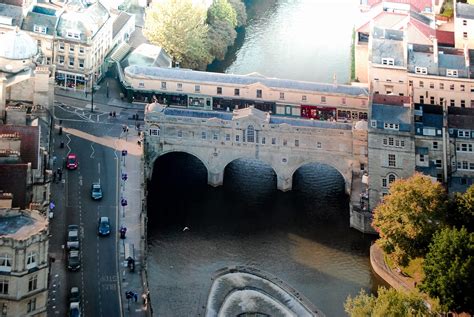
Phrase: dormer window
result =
(73, 35)
(452, 72)
(40, 29)
(388, 61)
(391, 126)
(421, 70)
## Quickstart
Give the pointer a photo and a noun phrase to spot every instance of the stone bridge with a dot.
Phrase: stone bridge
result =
(286, 144)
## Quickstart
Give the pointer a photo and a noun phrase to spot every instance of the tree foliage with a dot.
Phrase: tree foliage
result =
(179, 28)
(449, 269)
(461, 211)
(240, 11)
(222, 10)
(220, 36)
(389, 302)
(408, 217)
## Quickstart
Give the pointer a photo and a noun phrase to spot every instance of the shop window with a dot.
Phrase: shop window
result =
(288, 110)
(236, 92)
(219, 90)
(259, 93)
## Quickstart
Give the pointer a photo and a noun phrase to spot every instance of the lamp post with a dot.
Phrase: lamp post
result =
(91, 79)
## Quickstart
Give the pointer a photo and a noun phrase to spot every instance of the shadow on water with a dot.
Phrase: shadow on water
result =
(302, 236)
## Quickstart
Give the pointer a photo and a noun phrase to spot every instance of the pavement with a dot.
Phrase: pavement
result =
(132, 216)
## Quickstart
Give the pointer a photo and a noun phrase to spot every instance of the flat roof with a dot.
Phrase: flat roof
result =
(21, 224)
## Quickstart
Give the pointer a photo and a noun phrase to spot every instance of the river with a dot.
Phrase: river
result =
(301, 236)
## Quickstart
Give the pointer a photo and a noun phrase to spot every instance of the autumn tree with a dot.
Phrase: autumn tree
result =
(408, 216)
(222, 10)
(389, 302)
(240, 11)
(179, 28)
(461, 211)
(449, 269)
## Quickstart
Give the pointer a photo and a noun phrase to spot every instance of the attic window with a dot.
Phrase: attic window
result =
(391, 126)
(73, 35)
(388, 61)
(452, 72)
(40, 29)
(421, 70)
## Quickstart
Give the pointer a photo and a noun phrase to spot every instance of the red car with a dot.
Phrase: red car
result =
(71, 161)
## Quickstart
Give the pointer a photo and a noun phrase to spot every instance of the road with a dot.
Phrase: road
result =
(93, 139)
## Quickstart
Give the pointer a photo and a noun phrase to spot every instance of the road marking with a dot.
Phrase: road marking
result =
(93, 151)
(80, 182)
(98, 170)
(67, 144)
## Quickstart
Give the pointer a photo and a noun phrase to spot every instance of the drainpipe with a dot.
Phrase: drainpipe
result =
(445, 145)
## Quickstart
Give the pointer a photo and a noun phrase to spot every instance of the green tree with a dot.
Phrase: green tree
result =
(220, 36)
(461, 211)
(240, 11)
(388, 303)
(449, 269)
(408, 217)
(221, 10)
(179, 28)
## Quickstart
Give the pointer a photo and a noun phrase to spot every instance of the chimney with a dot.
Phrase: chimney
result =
(466, 56)
(6, 200)
(435, 49)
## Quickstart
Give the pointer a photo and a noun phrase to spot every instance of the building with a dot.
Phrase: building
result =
(23, 261)
(464, 25)
(226, 92)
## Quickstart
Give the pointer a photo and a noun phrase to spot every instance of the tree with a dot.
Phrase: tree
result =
(220, 36)
(180, 29)
(221, 10)
(449, 269)
(408, 217)
(389, 302)
(240, 11)
(461, 211)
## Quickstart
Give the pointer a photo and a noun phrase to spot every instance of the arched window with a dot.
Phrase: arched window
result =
(391, 178)
(250, 134)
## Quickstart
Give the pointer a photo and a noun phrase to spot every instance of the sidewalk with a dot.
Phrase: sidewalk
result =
(133, 217)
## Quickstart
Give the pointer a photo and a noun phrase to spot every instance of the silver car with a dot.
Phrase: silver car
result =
(96, 191)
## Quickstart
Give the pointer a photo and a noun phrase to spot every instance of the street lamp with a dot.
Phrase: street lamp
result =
(91, 79)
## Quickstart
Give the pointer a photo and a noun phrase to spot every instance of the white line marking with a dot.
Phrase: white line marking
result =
(93, 151)
(67, 144)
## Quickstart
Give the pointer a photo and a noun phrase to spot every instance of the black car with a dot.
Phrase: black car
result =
(75, 295)
(73, 260)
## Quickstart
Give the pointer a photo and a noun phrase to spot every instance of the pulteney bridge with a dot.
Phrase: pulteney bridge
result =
(218, 138)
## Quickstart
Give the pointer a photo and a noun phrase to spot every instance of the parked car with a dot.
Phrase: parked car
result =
(75, 295)
(71, 161)
(104, 226)
(73, 260)
(74, 309)
(96, 191)
(72, 237)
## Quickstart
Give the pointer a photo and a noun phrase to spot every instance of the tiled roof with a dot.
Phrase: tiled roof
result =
(218, 78)
(385, 20)
(18, 188)
(419, 5)
(119, 23)
(29, 136)
(445, 37)
(464, 10)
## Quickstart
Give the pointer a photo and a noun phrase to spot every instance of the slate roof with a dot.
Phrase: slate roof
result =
(432, 120)
(392, 114)
(232, 79)
(119, 23)
(11, 11)
(34, 18)
(461, 118)
(388, 44)
(29, 147)
(464, 10)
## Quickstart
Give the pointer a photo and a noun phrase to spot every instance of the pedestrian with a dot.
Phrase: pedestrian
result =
(114, 114)
(54, 177)
(60, 174)
(135, 297)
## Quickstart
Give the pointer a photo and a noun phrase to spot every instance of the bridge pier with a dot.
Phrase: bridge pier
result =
(284, 183)
(215, 179)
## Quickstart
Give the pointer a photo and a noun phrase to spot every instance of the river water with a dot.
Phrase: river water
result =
(301, 236)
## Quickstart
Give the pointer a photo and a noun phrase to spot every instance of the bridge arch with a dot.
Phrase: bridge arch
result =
(161, 154)
(227, 162)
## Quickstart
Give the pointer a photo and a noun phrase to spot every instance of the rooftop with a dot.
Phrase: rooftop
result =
(391, 114)
(119, 22)
(21, 224)
(29, 142)
(464, 10)
(10, 15)
(37, 17)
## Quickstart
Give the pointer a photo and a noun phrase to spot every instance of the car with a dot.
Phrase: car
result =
(71, 161)
(73, 260)
(74, 309)
(96, 191)
(72, 237)
(75, 295)
(104, 226)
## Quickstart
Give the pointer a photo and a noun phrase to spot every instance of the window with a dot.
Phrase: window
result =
(384, 141)
(431, 85)
(463, 147)
(451, 87)
(388, 61)
(463, 103)
(318, 145)
(180, 133)
(421, 70)
(33, 283)
(237, 138)
(197, 88)
(323, 99)
(61, 46)
(422, 158)
(288, 110)
(421, 84)
(250, 134)
(391, 126)
(343, 100)
(264, 140)
(451, 103)
(71, 61)
(462, 87)
(441, 85)
(40, 29)
(4, 285)
(464, 35)
(259, 93)
(154, 132)
(390, 141)
(435, 145)
(282, 95)
(227, 137)
(5, 262)
(432, 100)
(203, 135)
(464, 22)
(179, 86)
(38, 43)
(285, 142)
(236, 92)
(61, 59)
(303, 98)
(384, 182)
(391, 160)
(373, 123)
(31, 260)
(81, 50)
(452, 72)
(438, 163)
(163, 85)
(463, 133)
(391, 178)
(297, 143)
(441, 101)
(219, 90)
(81, 63)
(71, 48)
(31, 306)
(274, 141)
(215, 136)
